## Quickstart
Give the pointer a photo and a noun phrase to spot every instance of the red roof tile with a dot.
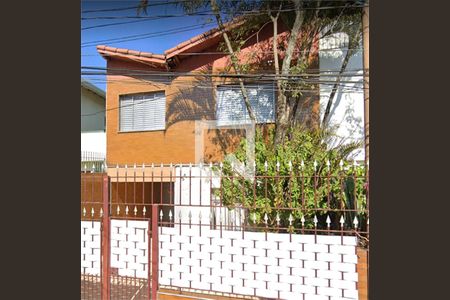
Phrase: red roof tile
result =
(159, 58)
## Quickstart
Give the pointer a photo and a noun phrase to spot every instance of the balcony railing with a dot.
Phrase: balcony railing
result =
(92, 161)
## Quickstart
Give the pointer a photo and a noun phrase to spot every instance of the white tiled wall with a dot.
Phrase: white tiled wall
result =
(129, 247)
(254, 266)
(90, 247)
(275, 267)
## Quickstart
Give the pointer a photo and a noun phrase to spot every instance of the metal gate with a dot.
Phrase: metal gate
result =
(117, 248)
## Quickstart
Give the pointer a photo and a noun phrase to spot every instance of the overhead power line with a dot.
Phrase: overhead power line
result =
(212, 13)
(130, 7)
(148, 18)
(168, 3)
(132, 104)
(144, 35)
(201, 13)
(122, 71)
(253, 51)
(185, 86)
(194, 84)
(206, 13)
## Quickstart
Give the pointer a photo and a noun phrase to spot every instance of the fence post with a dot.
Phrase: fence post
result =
(105, 274)
(155, 252)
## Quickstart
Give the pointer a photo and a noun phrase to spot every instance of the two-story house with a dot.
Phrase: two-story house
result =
(155, 103)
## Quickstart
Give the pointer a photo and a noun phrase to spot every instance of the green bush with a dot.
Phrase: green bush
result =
(299, 185)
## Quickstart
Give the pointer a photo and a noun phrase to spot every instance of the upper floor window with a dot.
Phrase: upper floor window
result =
(231, 108)
(143, 112)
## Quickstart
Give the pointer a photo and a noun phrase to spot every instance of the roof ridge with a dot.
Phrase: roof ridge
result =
(206, 34)
(129, 52)
(162, 58)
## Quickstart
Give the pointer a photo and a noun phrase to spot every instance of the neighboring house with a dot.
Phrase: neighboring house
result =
(152, 117)
(347, 111)
(93, 124)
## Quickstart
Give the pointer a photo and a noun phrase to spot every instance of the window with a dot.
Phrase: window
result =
(231, 108)
(143, 112)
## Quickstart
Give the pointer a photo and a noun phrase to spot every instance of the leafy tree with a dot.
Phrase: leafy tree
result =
(294, 57)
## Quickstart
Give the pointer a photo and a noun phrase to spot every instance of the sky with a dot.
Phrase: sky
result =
(182, 28)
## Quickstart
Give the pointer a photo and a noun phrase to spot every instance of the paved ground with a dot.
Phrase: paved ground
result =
(122, 288)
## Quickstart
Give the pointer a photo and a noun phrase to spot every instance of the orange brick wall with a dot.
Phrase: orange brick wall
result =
(362, 273)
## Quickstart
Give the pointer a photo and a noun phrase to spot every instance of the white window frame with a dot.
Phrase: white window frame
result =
(246, 120)
(154, 128)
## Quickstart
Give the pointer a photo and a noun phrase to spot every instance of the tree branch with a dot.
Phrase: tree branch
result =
(234, 60)
(348, 54)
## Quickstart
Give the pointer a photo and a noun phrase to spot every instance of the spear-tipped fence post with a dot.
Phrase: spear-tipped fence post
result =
(291, 229)
(315, 228)
(266, 218)
(302, 220)
(161, 215)
(342, 222)
(328, 221)
(355, 222)
(277, 219)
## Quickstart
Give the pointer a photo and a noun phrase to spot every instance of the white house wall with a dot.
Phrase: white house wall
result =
(194, 191)
(93, 135)
(347, 111)
(92, 103)
(93, 141)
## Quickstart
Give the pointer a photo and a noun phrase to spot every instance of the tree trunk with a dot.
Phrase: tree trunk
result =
(282, 118)
(234, 60)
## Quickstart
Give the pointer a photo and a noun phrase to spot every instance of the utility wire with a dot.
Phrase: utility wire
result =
(144, 35)
(132, 104)
(122, 71)
(187, 87)
(203, 13)
(211, 13)
(170, 3)
(272, 78)
(253, 51)
(354, 85)
(208, 13)
(148, 18)
(129, 7)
